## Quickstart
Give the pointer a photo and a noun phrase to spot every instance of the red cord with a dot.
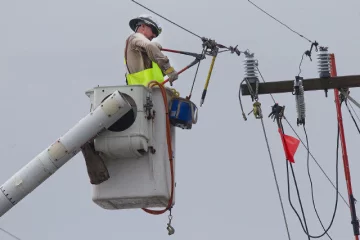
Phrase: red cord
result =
(168, 138)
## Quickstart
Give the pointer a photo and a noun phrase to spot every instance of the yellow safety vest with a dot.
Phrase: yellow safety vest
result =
(145, 76)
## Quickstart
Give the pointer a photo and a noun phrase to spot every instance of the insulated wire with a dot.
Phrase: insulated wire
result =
(10, 234)
(302, 58)
(352, 116)
(288, 183)
(277, 185)
(311, 183)
(167, 19)
(305, 146)
(357, 116)
(297, 190)
(271, 160)
(280, 22)
(298, 194)
(241, 106)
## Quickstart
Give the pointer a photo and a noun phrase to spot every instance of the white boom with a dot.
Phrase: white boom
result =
(61, 151)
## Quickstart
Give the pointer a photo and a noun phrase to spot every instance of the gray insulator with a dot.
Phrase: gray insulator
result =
(250, 67)
(323, 62)
(300, 104)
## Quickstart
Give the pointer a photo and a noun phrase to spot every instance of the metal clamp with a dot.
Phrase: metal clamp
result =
(170, 229)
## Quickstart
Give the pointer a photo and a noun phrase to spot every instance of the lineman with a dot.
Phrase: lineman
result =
(143, 58)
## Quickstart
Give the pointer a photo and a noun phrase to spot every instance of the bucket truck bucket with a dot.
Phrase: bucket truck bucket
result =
(135, 151)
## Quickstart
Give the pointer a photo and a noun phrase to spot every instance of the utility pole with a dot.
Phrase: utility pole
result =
(354, 220)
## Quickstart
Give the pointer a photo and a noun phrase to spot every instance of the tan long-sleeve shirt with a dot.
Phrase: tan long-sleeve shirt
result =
(141, 52)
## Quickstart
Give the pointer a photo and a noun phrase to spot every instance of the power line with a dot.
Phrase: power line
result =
(311, 183)
(307, 52)
(357, 116)
(167, 19)
(306, 231)
(352, 116)
(10, 234)
(206, 42)
(276, 182)
(302, 58)
(280, 22)
(312, 156)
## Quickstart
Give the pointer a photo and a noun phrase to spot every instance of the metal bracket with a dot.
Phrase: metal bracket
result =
(148, 106)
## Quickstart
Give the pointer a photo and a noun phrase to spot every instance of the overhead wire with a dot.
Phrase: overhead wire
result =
(297, 190)
(308, 164)
(305, 229)
(311, 183)
(307, 147)
(280, 22)
(275, 178)
(301, 61)
(312, 156)
(9, 233)
(167, 19)
(209, 42)
(258, 112)
(277, 114)
(357, 116)
(240, 101)
(345, 97)
(352, 116)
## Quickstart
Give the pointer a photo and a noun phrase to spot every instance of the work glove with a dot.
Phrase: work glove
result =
(172, 74)
(277, 112)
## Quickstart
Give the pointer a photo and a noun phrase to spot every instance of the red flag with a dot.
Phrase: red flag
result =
(290, 145)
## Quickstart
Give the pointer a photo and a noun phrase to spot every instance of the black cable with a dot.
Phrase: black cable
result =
(352, 116)
(299, 198)
(275, 178)
(280, 22)
(311, 183)
(10, 234)
(298, 193)
(168, 20)
(302, 58)
(308, 52)
(288, 183)
(312, 156)
(357, 116)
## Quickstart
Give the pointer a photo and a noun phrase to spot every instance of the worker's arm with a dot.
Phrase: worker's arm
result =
(140, 42)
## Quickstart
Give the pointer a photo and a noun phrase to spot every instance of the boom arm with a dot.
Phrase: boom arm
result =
(58, 153)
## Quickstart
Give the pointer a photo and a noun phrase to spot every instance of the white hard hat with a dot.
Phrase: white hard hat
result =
(148, 20)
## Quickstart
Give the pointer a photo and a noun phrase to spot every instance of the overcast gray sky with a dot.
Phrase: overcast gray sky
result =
(51, 52)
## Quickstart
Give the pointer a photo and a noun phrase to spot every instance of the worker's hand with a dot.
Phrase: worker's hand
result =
(158, 45)
(172, 74)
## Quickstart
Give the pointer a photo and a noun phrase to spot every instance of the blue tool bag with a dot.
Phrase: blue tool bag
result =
(183, 113)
